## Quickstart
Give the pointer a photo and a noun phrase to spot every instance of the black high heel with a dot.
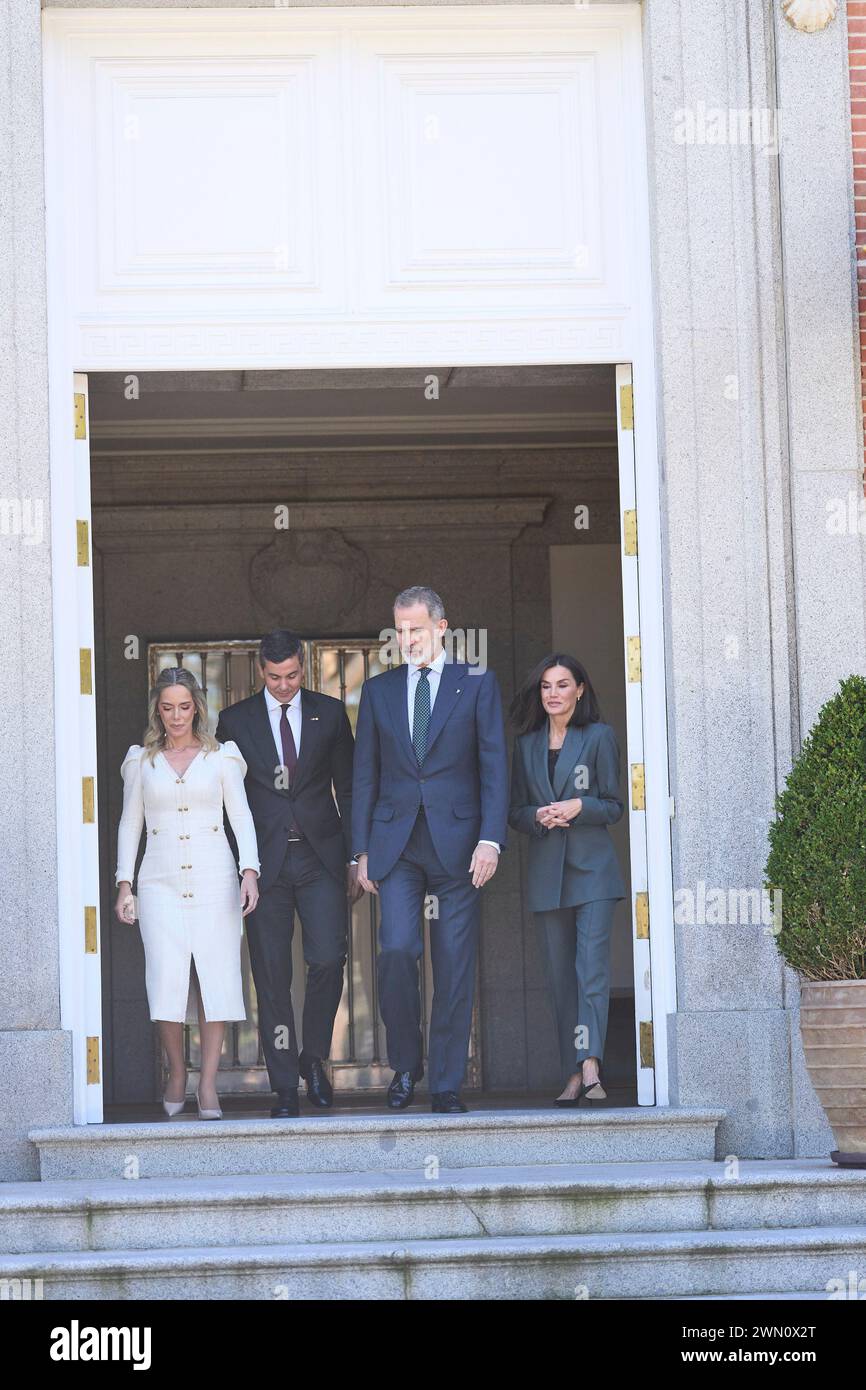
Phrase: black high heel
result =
(569, 1102)
(586, 1091)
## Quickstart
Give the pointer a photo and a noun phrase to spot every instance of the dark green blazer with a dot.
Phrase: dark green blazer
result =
(585, 844)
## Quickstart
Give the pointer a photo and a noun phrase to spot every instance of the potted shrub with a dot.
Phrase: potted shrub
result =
(818, 860)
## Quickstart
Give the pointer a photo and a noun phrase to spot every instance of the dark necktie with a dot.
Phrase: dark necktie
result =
(290, 756)
(421, 714)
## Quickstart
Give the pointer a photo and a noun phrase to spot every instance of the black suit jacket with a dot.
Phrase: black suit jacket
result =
(324, 768)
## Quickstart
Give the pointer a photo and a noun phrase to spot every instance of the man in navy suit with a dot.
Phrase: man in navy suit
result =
(430, 814)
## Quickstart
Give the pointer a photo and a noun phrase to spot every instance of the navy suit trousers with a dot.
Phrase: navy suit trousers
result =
(453, 915)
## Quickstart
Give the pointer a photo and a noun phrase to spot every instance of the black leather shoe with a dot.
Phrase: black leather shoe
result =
(320, 1092)
(402, 1088)
(447, 1103)
(287, 1105)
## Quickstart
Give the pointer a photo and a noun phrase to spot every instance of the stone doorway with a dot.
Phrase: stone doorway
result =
(472, 487)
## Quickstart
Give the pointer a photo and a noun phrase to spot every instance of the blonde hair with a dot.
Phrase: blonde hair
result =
(154, 734)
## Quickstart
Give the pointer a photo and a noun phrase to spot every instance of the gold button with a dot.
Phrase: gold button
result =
(190, 895)
(216, 827)
(183, 895)
(180, 779)
(177, 779)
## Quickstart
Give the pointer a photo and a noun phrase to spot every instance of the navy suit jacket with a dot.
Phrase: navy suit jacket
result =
(462, 783)
(592, 751)
(324, 771)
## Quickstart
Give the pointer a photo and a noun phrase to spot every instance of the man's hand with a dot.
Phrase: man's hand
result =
(354, 889)
(367, 884)
(483, 864)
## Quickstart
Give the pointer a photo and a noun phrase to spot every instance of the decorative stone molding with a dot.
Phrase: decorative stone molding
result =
(218, 525)
(330, 572)
(810, 16)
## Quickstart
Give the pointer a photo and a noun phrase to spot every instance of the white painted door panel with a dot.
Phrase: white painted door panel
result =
(264, 188)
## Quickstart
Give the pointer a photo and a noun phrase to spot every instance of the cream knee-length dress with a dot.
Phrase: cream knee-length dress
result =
(189, 905)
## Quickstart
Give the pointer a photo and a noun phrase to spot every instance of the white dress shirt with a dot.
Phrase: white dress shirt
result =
(412, 679)
(413, 675)
(293, 714)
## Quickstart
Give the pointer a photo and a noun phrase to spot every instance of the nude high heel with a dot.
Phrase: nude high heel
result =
(174, 1107)
(207, 1114)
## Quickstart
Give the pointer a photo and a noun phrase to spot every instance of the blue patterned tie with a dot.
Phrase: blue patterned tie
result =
(421, 716)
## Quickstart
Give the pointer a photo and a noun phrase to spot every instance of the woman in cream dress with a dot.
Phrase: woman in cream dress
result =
(190, 908)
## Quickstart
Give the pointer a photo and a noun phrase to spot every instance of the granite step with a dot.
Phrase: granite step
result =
(188, 1147)
(432, 1204)
(612, 1266)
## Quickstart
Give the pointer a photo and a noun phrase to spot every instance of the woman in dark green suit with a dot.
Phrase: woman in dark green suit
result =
(564, 795)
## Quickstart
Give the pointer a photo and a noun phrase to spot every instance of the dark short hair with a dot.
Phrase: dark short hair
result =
(278, 646)
(528, 713)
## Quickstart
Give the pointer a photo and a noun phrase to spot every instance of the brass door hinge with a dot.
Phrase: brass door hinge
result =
(638, 800)
(629, 531)
(79, 415)
(93, 1061)
(86, 671)
(88, 800)
(633, 658)
(647, 1054)
(82, 541)
(90, 948)
(626, 407)
(641, 916)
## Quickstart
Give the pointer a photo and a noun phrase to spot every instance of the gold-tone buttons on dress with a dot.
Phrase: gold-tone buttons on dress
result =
(177, 779)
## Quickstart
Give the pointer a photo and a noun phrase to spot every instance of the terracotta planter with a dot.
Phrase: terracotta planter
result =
(833, 1026)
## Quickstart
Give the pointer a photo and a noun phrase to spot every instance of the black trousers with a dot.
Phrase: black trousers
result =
(303, 885)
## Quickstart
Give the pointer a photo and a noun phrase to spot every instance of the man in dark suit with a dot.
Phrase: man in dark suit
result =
(298, 747)
(430, 801)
